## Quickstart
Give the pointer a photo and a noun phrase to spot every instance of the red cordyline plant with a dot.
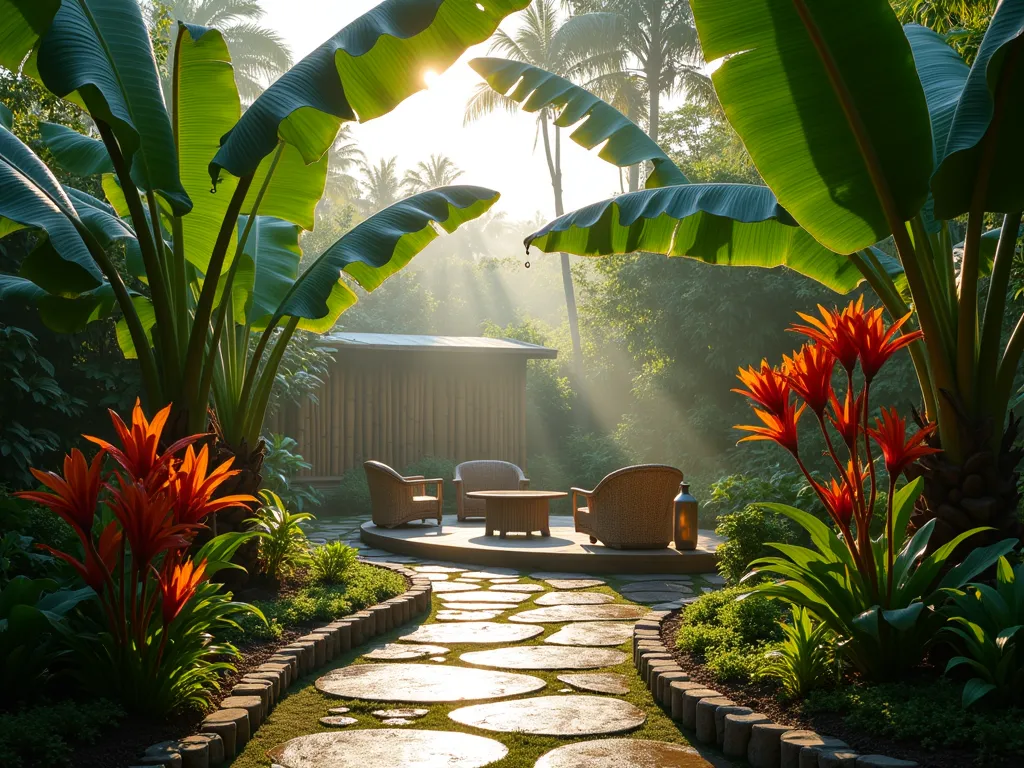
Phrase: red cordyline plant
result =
(876, 594)
(136, 526)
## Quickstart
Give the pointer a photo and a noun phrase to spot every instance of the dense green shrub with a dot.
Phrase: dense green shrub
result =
(363, 585)
(331, 562)
(731, 635)
(283, 545)
(747, 532)
(733, 493)
(46, 735)
(281, 463)
(928, 712)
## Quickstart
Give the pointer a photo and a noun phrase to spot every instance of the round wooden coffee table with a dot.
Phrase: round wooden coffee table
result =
(517, 511)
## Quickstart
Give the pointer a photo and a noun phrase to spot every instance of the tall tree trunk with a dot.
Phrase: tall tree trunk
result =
(652, 72)
(555, 169)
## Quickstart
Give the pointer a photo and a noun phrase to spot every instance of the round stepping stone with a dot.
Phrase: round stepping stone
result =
(568, 715)
(614, 753)
(545, 657)
(437, 569)
(395, 721)
(472, 632)
(469, 581)
(522, 588)
(574, 583)
(555, 614)
(574, 598)
(408, 714)
(419, 683)
(436, 576)
(657, 586)
(337, 721)
(337, 710)
(598, 682)
(480, 606)
(457, 615)
(591, 633)
(452, 586)
(438, 659)
(365, 552)
(482, 596)
(652, 597)
(655, 577)
(388, 748)
(493, 573)
(401, 652)
(541, 575)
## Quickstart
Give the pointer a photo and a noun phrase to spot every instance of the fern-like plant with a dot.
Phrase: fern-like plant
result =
(283, 544)
(806, 658)
(331, 561)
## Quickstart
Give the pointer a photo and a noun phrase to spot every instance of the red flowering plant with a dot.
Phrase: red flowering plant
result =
(877, 594)
(137, 523)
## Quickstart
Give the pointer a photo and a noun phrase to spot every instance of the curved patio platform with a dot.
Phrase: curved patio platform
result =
(563, 550)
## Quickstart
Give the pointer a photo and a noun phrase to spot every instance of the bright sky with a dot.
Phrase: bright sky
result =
(496, 152)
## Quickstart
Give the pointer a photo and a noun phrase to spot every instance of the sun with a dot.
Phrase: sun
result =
(430, 77)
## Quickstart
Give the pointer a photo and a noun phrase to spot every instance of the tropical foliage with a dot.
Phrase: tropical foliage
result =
(283, 544)
(332, 561)
(281, 465)
(806, 657)
(153, 603)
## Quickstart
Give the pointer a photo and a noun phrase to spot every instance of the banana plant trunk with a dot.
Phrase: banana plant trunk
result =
(249, 462)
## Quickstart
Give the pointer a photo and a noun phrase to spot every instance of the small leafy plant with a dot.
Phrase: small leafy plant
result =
(280, 466)
(331, 561)
(805, 659)
(283, 544)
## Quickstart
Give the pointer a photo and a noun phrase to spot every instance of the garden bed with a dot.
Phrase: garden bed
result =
(860, 715)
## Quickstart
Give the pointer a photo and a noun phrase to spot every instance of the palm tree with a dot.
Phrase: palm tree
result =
(344, 155)
(380, 184)
(259, 55)
(574, 53)
(439, 171)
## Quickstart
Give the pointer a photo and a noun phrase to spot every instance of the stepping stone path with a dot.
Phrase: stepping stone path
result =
(457, 615)
(436, 576)
(545, 657)
(569, 715)
(397, 652)
(657, 586)
(406, 714)
(453, 586)
(522, 588)
(574, 598)
(544, 575)
(592, 633)
(615, 753)
(419, 683)
(472, 632)
(483, 596)
(337, 721)
(650, 597)
(479, 606)
(388, 748)
(437, 569)
(574, 583)
(598, 682)
(556, 614)
(494, 573)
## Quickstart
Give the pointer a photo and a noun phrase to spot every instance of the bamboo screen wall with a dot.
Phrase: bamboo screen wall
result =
(397, 399)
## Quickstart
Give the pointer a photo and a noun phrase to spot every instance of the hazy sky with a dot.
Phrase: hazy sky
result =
(496, 152)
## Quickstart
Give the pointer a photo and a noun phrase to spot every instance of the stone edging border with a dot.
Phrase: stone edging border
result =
(738, 731)
(224, 733)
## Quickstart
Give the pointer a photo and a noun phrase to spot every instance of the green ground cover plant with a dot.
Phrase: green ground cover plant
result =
(47, 734)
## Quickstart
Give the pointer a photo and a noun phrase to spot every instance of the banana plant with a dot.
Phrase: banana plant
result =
(209, 203)
(865, 155)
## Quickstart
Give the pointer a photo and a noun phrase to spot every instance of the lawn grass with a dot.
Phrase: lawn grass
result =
(298, 714)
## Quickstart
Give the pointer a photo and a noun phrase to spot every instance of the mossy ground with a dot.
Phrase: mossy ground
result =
(299, 713)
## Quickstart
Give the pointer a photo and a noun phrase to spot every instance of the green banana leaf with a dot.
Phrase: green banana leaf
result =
(23, 23)
(996, 80)
(375, 249)
(273, 246)
(101, 51)
(775, 87)
(30, 196)
(735, 224)
(536, 89)
(294, 189)
(362, 72)
(74, 152)
(6, 117)
(147, 316)
(63, 314)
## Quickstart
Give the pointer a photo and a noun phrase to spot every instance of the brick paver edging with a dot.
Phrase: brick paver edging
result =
(224, 733)
(738, 731)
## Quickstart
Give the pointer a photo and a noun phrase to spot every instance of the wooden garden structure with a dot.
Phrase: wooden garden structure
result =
(397, 398)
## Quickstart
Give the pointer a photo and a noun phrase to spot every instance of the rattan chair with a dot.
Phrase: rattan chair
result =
(396, 499)
(631, 508)
(485, 475)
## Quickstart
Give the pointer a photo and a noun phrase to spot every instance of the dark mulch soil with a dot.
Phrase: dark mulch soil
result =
(763, 698)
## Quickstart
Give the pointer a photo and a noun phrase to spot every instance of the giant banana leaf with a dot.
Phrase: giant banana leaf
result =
(735, 224)
(823, 95)
(375, 249)
(30, 196)
(983, 146)
(362, 72)
(63, 314)
(74, 152)
(23, 23)
(100, 50)
(536, 89)
(273, 246)
(6, 117)
(294, 189)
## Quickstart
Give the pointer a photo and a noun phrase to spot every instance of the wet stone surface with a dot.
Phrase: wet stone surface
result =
(554, 614)
(592, 633)
(598, 682)
(545, 657)
(472, 632)
(574, 598)
(420, 683)
(388, 748)
(616, 753)
(566, 715)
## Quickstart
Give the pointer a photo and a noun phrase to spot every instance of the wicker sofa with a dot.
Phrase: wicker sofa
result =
(631, 508)
(396, 499)
(484, 475)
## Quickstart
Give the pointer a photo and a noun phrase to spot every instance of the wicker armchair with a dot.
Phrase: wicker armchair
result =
(631, 508)
(396, 499)
(485, 476)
